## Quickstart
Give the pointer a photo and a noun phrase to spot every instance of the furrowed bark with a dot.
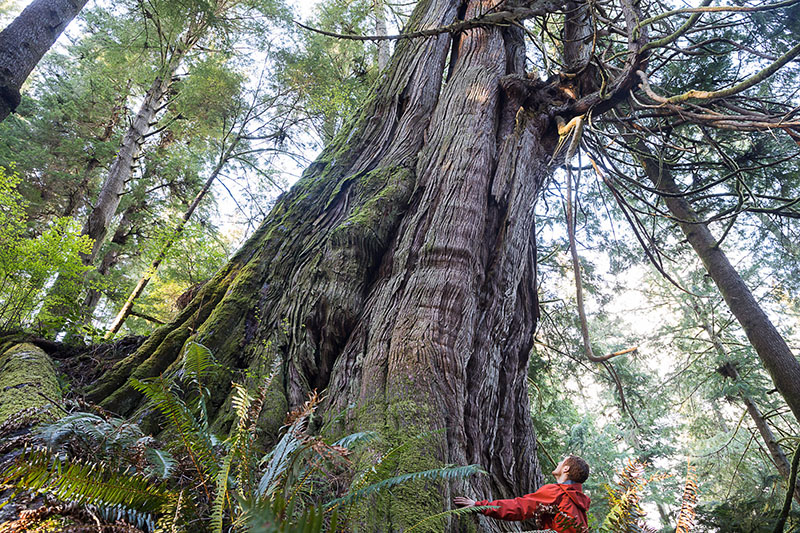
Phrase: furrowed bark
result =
(446, 332)
(779, 361)
(579, 46)
(25, 41)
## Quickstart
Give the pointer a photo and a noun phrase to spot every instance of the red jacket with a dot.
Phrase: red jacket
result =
(569, 499)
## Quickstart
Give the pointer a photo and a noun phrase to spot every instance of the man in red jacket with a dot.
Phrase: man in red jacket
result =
(560, 506)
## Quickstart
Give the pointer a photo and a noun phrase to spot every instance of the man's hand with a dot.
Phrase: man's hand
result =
(461, 501)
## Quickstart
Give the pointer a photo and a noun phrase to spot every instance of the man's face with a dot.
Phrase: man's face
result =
(561, 468)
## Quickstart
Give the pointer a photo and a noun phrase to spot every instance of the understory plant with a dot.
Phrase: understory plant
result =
(29, 262)
(191, 479)
(625, 499)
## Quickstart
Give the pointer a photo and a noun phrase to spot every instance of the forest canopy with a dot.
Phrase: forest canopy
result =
(323, 266)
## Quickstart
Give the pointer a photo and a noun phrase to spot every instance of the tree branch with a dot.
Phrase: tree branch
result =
(491, 19)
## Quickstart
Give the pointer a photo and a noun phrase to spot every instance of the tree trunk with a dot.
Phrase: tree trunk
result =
(27, 381)
(775, 451)
(384, 52)
(781, 364)
(25, 41)
(399, 272)
(110, 258)
(78, 197)
(101, 215)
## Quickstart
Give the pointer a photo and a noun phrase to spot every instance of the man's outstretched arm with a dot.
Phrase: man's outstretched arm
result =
(513, 509)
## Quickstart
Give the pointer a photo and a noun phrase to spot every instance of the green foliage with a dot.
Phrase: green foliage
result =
(119, 440)
(88, 483)
(332, 76)
(28, 264)
(187, 414)
(446, 473)
(463, 511)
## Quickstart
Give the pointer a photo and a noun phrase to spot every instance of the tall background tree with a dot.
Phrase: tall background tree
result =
(25, 41)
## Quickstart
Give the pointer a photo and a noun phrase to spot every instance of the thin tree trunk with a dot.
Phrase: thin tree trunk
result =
(127, 308)
(791, 247)
(78, 197)
(25, 41)
(776, 452)
(379, 7)
(720, 419)
(111, 258)
(101, 215)
(781, 364)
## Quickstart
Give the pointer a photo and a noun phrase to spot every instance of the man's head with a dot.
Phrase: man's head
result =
(571, 468)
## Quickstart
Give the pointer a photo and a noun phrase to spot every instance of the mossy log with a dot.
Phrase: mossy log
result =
(27, 380)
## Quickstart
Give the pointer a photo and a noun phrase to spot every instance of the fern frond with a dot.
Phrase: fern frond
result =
(452, 512)
(295, 437)
(304, 411)
(162, 462)
(218, 507)
(106, 432)
(241, 401)
(626, 513)
(198, 362)
(178, 515)
(355, 439)
(85, 482)
(409, 442)
(364, 479)
(194, 438)
(445, 473)
(121, 513)
(275, 516)
(688, 501)
(258, 402)
(248, 409)
(279, 458)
